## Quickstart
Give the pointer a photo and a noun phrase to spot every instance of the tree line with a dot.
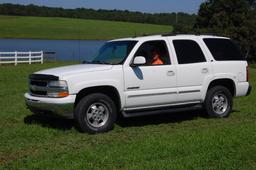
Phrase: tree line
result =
(112, 15)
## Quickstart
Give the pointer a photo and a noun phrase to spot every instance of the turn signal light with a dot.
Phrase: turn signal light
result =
(63, 94)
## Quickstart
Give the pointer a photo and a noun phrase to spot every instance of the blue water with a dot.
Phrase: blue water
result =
(66, 50)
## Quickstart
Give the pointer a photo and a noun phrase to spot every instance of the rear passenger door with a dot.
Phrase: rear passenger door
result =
(192, 69)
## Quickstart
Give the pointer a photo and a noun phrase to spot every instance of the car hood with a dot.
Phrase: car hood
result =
(74, 69)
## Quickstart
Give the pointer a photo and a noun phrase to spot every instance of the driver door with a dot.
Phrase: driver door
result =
(151, 85)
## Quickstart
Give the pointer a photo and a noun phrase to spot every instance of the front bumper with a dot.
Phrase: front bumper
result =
(56, 106)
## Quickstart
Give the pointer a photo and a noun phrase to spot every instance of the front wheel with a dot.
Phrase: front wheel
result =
(95, 113)
(218, 102)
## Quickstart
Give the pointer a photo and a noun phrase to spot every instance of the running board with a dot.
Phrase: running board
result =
(161, 110)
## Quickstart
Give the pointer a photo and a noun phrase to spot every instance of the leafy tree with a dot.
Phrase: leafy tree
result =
(232, 18)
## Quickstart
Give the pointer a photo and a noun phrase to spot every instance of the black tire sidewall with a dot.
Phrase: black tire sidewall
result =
(208, 101)
(81, 108)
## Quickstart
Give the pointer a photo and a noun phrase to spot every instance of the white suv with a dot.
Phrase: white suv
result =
(142, 76)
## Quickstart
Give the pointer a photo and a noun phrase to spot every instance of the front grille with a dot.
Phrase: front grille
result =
(38, 93)
(38, 88)
(38, 84)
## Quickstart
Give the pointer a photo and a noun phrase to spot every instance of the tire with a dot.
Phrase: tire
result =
(218, 102)
(95, 113)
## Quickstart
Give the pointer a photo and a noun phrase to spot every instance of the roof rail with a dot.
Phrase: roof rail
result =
(175, 34)
(209, 33)
(169, 34)
(192, 33)
(145, 35)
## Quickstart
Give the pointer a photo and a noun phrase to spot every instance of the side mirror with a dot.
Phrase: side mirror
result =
(138, 61)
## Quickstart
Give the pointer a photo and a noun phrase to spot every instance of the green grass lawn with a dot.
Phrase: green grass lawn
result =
(174, 141)
(65, 28)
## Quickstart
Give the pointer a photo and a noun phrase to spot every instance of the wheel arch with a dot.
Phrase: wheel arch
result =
(226, 82)
(110, 91)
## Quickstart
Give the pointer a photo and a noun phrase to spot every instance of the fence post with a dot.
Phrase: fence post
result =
(29, 57)
(42, 57)
(15, 58)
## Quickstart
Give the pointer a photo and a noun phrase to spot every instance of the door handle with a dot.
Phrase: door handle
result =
(170, 73)
(205, 70)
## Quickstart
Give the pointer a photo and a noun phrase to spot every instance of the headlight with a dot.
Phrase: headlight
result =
(57, 84)
(57, 89)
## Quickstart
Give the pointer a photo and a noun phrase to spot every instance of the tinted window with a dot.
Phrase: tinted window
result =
(188, 51)
(154, 51)
(223, 49)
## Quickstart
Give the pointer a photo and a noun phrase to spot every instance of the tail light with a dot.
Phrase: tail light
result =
(247, 74)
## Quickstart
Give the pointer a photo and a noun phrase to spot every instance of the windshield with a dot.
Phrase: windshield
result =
(114, 52)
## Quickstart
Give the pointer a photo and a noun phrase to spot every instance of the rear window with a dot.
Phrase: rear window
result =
(223, 49)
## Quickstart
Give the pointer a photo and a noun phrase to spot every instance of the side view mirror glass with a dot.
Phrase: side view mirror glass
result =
(139, 60)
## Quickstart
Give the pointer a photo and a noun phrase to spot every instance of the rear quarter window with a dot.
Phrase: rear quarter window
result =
(223, 49)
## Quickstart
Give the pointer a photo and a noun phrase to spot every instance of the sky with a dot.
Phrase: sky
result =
(150, 6)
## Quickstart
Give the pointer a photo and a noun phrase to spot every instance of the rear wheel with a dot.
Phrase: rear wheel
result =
(218, 102)
(95, 113)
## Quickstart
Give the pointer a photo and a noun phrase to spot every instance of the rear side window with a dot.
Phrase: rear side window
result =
(188, 51)
(223, 49)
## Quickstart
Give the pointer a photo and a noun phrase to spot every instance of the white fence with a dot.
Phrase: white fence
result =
(21, 57)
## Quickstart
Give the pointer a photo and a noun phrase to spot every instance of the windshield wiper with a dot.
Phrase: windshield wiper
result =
(86, 62)
(100, 62)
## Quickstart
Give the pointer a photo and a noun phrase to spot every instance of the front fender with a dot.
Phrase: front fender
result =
(83, 85)
(113, 77)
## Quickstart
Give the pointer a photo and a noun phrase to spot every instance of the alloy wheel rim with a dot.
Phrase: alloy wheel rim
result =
(97, 114)
(219, 103)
